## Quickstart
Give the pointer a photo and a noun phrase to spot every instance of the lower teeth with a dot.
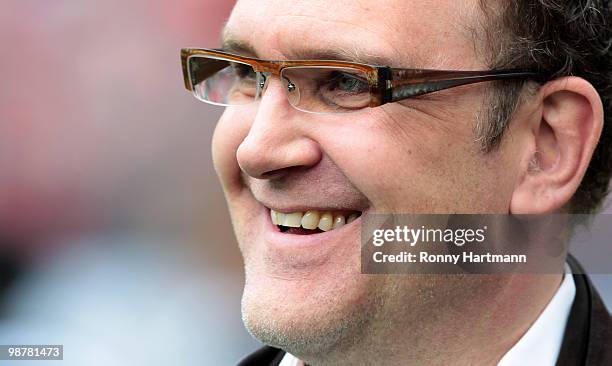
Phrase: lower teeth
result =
(298, 230)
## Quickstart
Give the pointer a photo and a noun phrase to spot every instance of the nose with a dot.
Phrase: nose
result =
(277, 141)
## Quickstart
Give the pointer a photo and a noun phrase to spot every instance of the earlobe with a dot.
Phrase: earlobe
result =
(564, 138)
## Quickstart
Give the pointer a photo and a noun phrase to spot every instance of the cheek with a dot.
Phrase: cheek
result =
(231, 130)
(364, 150)
(401, 165)
(380, 153)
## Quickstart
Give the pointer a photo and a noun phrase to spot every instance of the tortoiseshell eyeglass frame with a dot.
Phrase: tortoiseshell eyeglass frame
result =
(387, 84)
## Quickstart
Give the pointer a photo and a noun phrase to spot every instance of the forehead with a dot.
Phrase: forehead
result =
(407, 33)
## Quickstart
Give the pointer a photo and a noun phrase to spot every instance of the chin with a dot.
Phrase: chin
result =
(305, 318)
(306, 301)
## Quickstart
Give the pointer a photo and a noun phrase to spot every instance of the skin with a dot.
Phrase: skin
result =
(417, 156)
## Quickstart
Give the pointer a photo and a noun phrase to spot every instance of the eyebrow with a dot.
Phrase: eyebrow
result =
(235, 45)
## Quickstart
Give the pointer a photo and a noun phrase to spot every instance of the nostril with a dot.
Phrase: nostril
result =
(277, 173)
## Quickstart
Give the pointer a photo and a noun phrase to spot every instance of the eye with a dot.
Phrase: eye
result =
(348, 83)
(243, 71)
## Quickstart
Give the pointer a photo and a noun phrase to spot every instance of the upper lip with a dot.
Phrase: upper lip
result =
(304, 208)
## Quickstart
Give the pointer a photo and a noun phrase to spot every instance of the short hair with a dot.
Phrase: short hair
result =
(558, 38)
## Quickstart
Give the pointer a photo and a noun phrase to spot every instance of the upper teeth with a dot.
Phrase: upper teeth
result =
(312, 219)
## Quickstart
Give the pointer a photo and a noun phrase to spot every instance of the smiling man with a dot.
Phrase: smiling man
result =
(338, 110)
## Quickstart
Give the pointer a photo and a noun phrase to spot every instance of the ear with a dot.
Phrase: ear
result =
(562, 141)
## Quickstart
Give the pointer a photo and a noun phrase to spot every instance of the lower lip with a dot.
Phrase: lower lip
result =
(276, 238)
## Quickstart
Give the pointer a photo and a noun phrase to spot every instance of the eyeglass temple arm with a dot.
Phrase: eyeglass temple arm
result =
(406, 83)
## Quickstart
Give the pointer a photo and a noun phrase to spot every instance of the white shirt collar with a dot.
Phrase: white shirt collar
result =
(541, 344)
(290, 360)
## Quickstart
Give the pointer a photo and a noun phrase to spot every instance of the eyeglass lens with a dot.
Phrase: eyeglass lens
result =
(308, 88)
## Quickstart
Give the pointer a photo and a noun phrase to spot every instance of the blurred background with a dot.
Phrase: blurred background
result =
(114, 236)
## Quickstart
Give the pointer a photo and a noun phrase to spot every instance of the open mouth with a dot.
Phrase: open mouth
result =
(312, 221)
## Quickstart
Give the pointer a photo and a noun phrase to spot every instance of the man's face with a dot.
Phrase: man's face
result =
(305, 292)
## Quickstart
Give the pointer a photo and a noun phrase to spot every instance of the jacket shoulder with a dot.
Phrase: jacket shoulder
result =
(588, 333)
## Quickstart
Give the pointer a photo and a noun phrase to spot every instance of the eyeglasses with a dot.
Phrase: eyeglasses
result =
(317, 86)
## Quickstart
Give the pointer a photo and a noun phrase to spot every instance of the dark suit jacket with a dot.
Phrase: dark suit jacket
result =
(587, 340)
